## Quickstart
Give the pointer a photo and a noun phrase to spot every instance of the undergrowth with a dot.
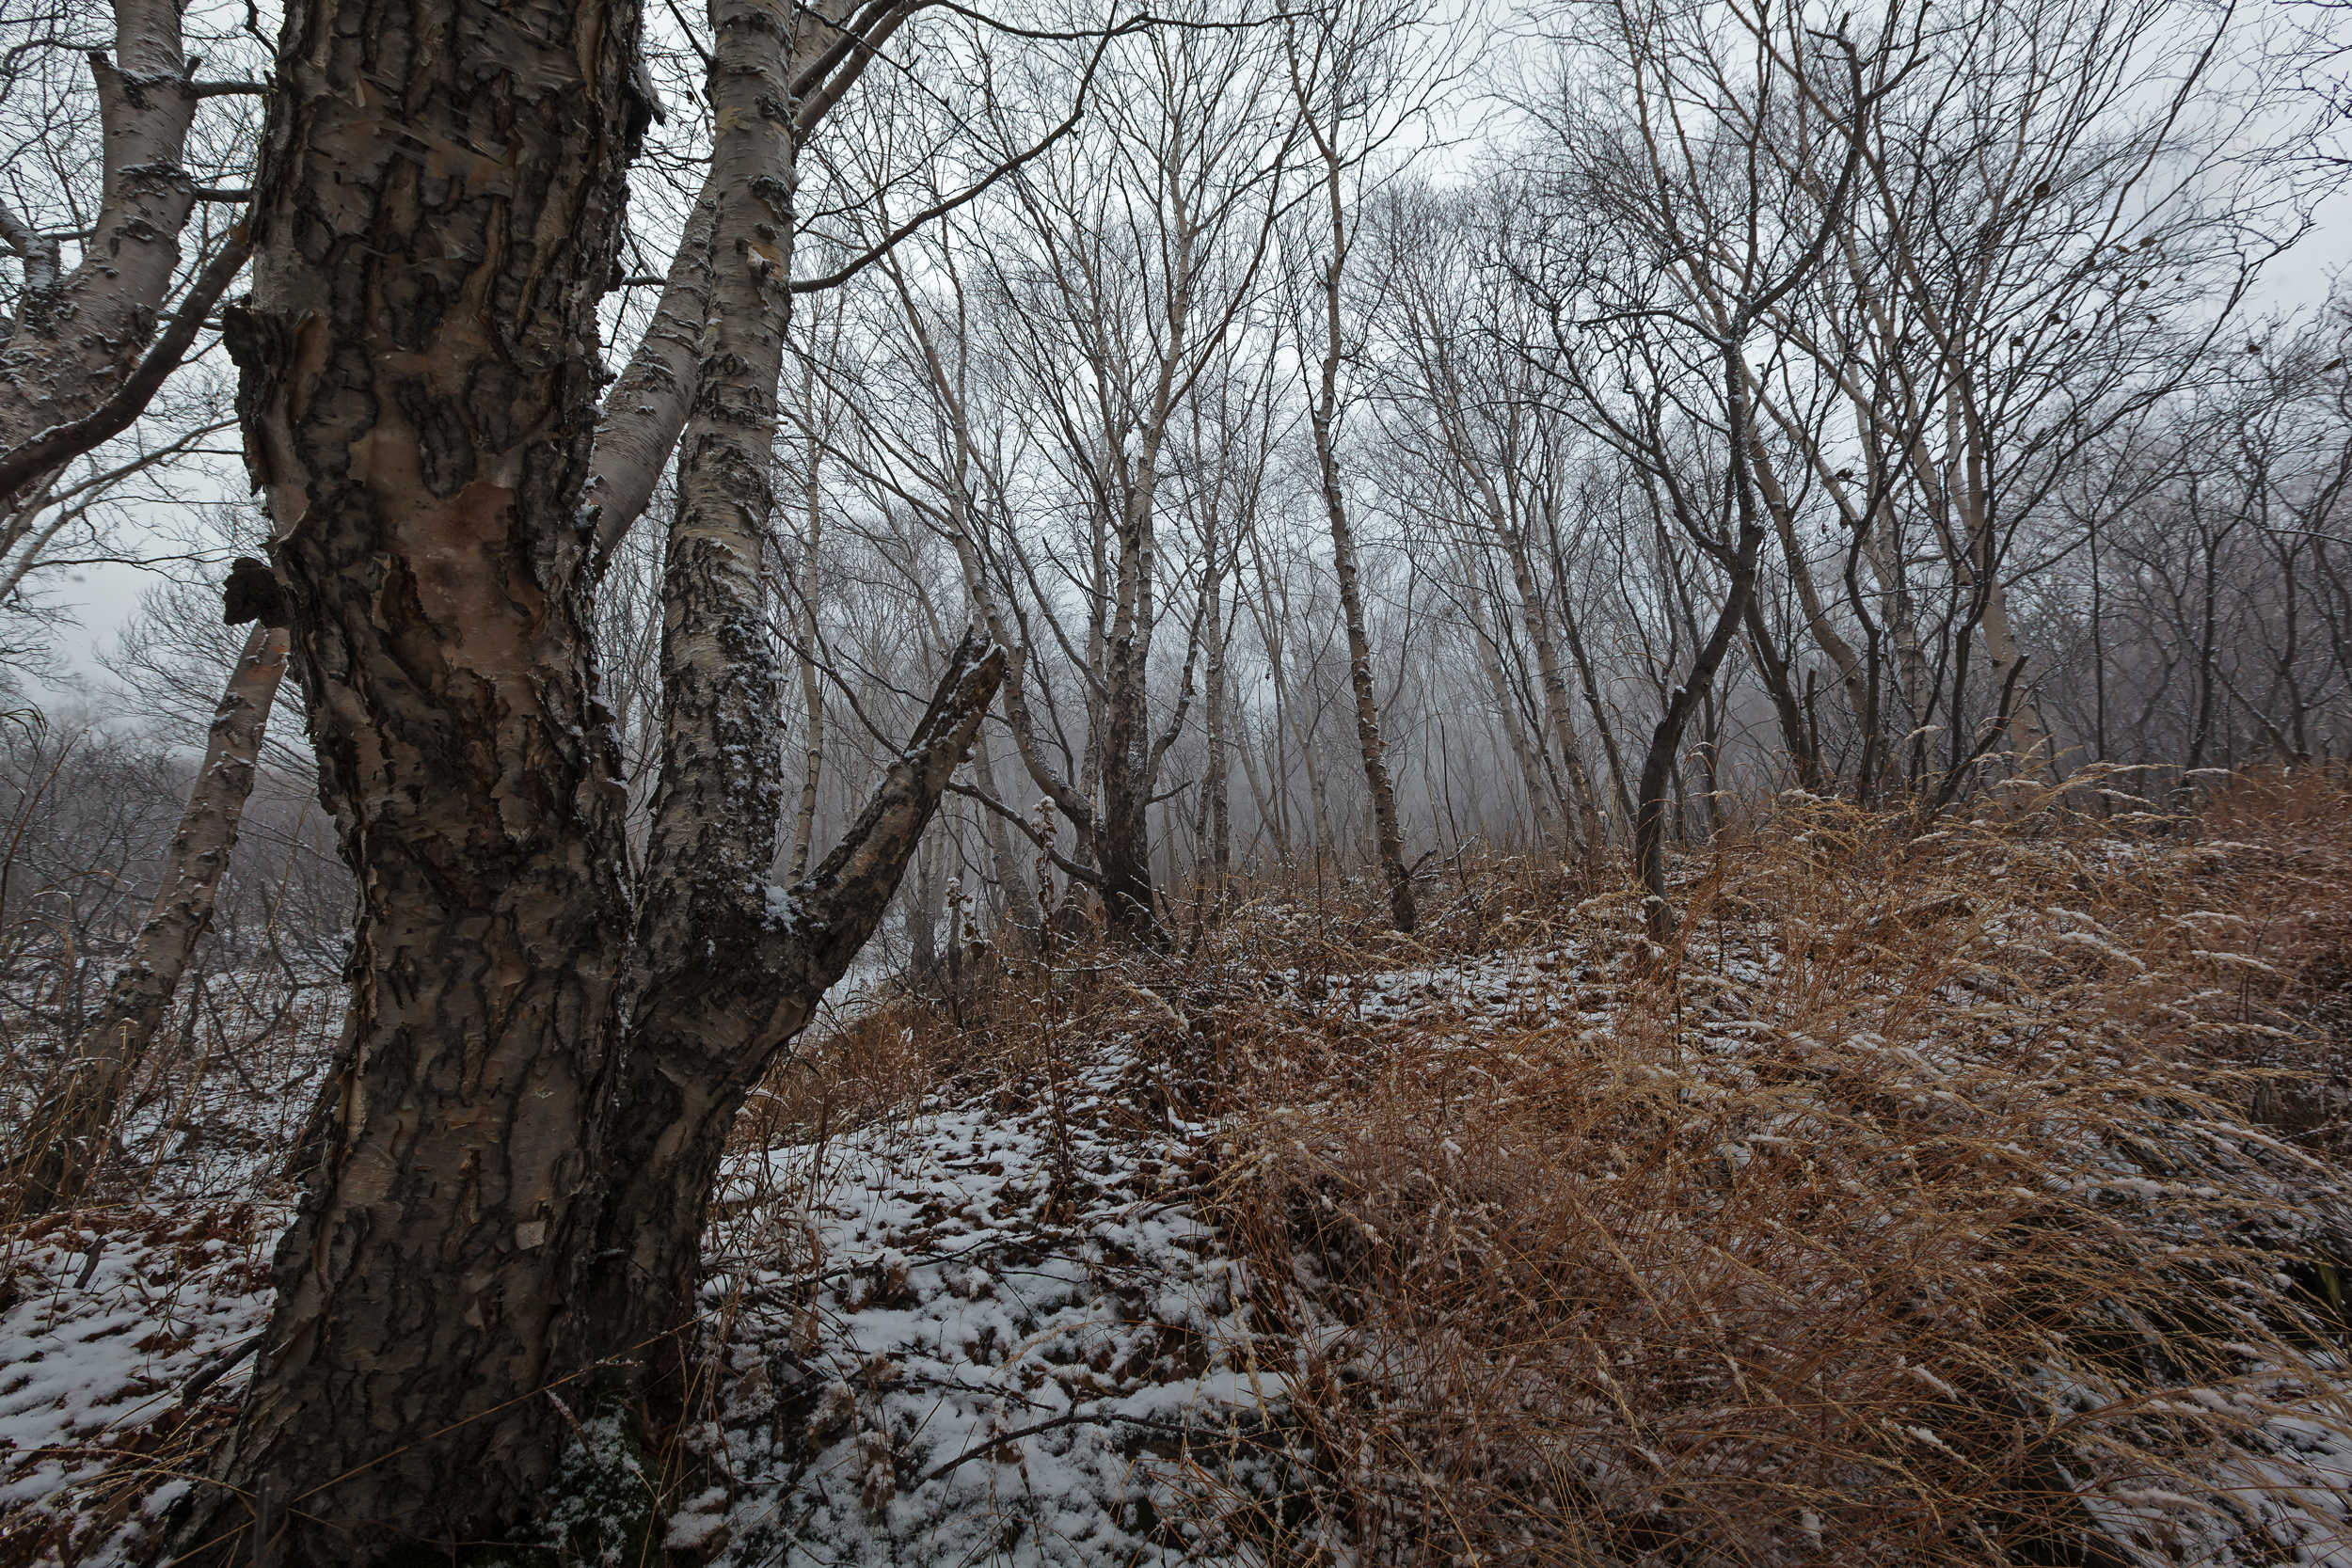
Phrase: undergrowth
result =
(1960, 1192)
(1954, 1190)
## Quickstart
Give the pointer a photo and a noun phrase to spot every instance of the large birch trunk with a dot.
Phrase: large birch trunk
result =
(64, 1146)
(437, 214)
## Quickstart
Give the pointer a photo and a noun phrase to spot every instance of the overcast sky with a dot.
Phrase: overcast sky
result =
(102, 598)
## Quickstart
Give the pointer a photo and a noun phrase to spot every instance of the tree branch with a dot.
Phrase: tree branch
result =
(940, 210)
(61, 443)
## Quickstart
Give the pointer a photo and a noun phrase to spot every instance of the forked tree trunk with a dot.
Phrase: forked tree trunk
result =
(728, 966)
(437, 214)
(69, 1134)
(78, 333)
(722, 990)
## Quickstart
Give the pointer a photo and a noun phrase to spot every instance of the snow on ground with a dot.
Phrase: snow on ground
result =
(101, 1334)
(1015, 1331)
(991, 1328)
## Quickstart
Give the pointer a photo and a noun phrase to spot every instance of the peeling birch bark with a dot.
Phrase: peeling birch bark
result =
(437, 214)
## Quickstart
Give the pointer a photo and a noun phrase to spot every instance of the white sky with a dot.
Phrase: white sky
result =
(102, 599)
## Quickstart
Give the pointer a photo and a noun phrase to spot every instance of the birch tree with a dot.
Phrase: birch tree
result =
(437, 218)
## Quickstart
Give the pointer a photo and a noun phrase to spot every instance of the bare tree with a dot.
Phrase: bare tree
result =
(418, 375)
(1343, 75)
(1686, 181)
(66, 1142)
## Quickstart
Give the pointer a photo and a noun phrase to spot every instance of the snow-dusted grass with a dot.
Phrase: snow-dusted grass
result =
(105, 1322)
(1928, 1203)
(1940, 1197)
(982, 1334)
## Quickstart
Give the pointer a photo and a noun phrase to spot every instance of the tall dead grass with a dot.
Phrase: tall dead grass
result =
(1964, 1192)
(1957, 1197)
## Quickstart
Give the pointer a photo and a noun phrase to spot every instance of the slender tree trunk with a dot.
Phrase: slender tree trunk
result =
(1216, 777)
(1556, 712)
(1817, 621)
(647, 406)
(419, 377)
(922, 909)
(67, 1138)
(1506, 706)
(1326, 840)
(1593, 703)
(1388, 838)
(728, 967)
(1017, 931)
(812, 688)
(1773, 670)
(1269, 804)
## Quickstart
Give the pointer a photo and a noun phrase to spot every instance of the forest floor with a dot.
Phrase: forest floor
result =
(1973, 1194)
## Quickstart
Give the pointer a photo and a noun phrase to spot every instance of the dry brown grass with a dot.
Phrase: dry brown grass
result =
(1957, 1192)
(1964, 1192)
(1890, 1217)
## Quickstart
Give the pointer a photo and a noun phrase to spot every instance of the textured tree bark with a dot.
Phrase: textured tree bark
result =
(728, 967)
(66, 1137)
(722, 990)
(437, 214)
(79, 333)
